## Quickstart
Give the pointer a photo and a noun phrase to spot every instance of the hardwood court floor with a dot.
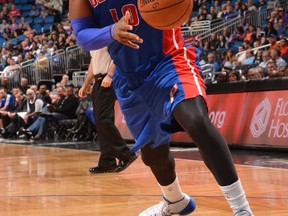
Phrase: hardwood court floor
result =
(41, 181)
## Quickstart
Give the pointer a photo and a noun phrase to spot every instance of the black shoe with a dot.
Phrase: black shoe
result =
(123, 164)
(98, 170)
(26, 132)
(37, 137)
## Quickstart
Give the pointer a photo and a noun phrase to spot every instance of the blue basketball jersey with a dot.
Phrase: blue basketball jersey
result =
(157, 43)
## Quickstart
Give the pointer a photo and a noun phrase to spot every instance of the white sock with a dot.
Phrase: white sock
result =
(173, 194)
(235, 196)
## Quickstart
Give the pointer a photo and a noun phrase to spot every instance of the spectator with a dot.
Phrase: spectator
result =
(233, 76)
(260, 70)
(272, 70)
(283, 46)
(280, 27)
(276, 56)
(7, 104)
(265, 59)
(251, 6)
(11, 69)
(23, 84)
(15, 121)
(253, 74)
(3, 26)
(249, 58)
(34, 12)
(211, 60)
(214, 42)
(273, 42)
(14, 12)
(283, 72)
(34, 107)
(221, 77)
(223, 45)
(43, 95)
(270, 31)
(258, 58)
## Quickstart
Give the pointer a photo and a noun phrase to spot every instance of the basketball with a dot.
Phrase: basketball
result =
(165, 14)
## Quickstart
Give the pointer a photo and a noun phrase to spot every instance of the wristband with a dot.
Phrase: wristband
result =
(112, 31)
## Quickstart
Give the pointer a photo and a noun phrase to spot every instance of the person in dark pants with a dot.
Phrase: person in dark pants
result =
(112, 145)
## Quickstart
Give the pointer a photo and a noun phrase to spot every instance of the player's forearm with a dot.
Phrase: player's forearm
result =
(88, 36)
(111, 71)
(89, 77)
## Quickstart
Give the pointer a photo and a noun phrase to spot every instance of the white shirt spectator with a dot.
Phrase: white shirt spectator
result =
(280, 62)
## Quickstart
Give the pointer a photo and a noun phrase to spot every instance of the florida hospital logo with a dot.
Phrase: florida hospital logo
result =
(260, 118)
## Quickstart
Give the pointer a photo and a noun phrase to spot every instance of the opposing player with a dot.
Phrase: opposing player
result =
(160, 91)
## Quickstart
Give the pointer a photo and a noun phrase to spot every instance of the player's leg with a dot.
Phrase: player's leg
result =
(192, 115)
(162, 164)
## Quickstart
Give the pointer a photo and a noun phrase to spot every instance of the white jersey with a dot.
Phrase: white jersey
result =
(101, 61)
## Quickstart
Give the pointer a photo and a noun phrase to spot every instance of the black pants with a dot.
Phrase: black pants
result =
(112, 145)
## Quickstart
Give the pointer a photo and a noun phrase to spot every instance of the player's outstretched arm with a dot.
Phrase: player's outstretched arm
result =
(89, 37)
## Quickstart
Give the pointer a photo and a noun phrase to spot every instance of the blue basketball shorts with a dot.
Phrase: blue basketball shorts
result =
(147, 100)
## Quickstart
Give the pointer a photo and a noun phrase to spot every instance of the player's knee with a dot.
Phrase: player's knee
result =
(156, 157)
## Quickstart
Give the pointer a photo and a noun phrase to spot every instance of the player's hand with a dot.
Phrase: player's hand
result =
(83, 92)
(122, 34)
(107, 81)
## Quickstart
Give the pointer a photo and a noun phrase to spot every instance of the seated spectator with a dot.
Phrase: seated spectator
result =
(221, 77)
(260, 70)
(251, 6)
(14, 12)
(12, 69)
(265, 59)
(233, 77)
(15, 121)
(65, 80)
(211, 60)
(43, 95)
(272, 70)
(7, 104)
(253, 74)
(273, 42)
(29, 31)
(276, 56)
(270, 30)
(34, 107)
(283, 46)
(249, 59)
(23, 84)
(280, 27)
(283, 71)
(258, 57)
(3, 26)
(34, 12)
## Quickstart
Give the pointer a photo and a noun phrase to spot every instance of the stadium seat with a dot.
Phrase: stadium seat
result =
(27, 7)
(2, 41)
(49, 20)
(38, 20)
(21, 38)
(24, 1)
(38, 6)
(17, 2)
(19, 7)
(47, 27)
(18, 20)
(37, 28)
(13, 42)
(29, 20)
(25, 14)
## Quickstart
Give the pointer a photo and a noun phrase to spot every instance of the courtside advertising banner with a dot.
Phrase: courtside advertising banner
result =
(265, 119)
(224, 112)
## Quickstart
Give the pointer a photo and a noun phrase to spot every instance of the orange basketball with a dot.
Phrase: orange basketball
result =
(165, 14)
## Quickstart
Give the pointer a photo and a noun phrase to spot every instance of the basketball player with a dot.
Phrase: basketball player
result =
(157, 82)
(112, 145)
